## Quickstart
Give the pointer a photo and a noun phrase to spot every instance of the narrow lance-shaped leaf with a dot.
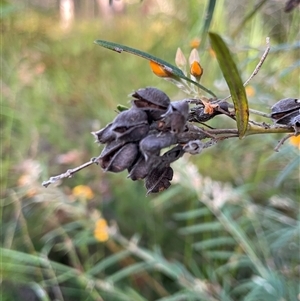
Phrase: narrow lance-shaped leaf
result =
(234, 82)
(165, 65)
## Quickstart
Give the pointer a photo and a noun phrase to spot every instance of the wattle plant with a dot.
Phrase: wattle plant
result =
(155, 131)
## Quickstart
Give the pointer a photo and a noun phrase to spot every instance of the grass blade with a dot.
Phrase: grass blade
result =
(208, 18)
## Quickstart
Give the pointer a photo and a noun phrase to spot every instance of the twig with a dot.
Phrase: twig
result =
(280, 143)
(257, 68)
(250, 110)
(68, 173)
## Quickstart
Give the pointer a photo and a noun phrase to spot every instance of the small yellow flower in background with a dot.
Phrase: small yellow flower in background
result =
(159, 70)
(295, 140)
(83, 191)
(101, 230)
(250, 91)
(195, 43)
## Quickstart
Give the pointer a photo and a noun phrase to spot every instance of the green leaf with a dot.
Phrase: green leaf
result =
(167, 66)
(234, 82)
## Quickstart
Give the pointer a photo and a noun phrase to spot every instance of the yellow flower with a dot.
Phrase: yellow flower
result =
(83, 191)
(195, 43)
(250, 91)
(101, 230)
(295, 140)
(159, 70)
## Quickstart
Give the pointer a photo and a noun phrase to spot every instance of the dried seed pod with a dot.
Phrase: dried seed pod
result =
(142, 168)
(151, 100)
(124, 158)
(176, 116)
(128, 119)
(288, 118)
(108, 152)
(105, 135)
(159, 179)
(191, 132)
(121, 159)
(172, 155)
(295, 122)
(181, 106)
(132, 134)
(287, 112)
(283, 107)
(152, 144)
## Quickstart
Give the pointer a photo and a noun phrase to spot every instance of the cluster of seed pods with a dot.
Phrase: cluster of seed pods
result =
(134, 140)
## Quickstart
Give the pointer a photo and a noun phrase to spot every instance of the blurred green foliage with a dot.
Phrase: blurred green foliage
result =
(57, 87)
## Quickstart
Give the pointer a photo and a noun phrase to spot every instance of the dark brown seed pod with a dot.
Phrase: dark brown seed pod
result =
(152, 144)
(105, 135)
(191, 132)
(122, 158)
(159, 179)
(142, 168)
(296, 124)
(128, 119)
(108, 152)
(288, 118)
(181, 106)
(172, 155)
(151, 98)
(132, 134)
(283, 107)
(176, 116)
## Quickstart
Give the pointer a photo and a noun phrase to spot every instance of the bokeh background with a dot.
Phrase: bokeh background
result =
(227, 229)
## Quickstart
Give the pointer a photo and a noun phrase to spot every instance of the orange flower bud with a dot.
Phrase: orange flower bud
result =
(196, 69)
(159, 70)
